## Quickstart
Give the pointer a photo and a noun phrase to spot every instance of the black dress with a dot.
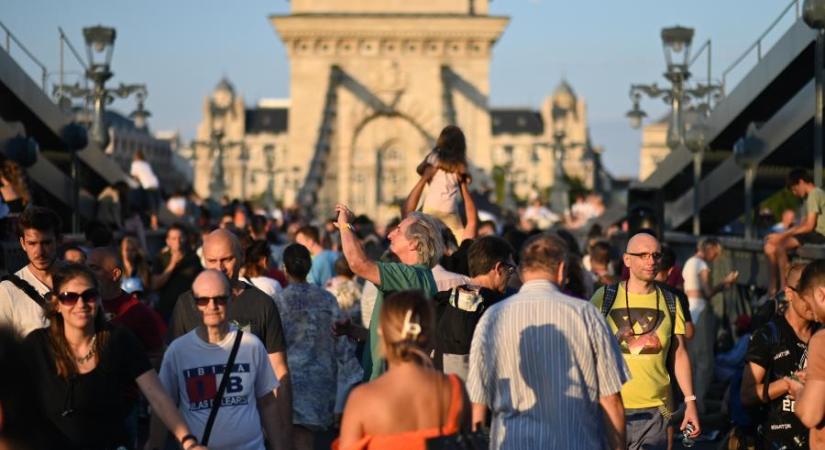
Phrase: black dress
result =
(87, 411)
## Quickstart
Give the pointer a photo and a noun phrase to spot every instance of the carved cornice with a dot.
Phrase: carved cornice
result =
(388, 36)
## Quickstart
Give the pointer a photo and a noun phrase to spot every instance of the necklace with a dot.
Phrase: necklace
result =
(652, 324)
(90, 355)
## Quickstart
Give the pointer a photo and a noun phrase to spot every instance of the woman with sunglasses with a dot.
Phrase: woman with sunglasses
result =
(85, 371)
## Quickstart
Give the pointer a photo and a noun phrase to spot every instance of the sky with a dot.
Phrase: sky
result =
(181, 48)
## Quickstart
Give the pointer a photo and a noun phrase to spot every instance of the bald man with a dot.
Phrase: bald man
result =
(251, 309)
(198, 359)
(649, 325)
(125, 308)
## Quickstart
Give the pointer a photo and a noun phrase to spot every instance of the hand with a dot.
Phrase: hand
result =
(175, 257)
(731, 278)
(794, 387)
(691, 417)
(341, 327)
(429, 172)
(344, 215)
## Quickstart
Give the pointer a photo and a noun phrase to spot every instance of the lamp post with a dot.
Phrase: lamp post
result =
(100, 43)
(814, 16)
(676, 42)
(746, 153)
(559, 191)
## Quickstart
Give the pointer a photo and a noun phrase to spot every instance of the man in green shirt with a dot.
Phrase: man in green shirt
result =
(417, 243)
(810, 230)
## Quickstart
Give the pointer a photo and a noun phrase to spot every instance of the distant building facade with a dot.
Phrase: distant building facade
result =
(369, 94)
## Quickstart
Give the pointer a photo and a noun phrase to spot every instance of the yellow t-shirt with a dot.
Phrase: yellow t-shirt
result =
(644, 339)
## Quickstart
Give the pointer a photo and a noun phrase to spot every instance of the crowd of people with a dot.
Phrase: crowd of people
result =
(254, 331)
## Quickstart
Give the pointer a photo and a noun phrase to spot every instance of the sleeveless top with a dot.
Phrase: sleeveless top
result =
(415, 439)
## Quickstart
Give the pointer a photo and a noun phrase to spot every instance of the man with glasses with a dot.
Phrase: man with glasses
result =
(776, 351)
(700, 289)
(459, 309)
(649, 325)
(195, 364)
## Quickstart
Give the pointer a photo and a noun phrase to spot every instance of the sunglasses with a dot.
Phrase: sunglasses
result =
(508, 268)
(646, 255)
(70, 298)
(219, 300)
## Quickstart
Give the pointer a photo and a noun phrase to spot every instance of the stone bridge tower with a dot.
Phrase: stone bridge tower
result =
(372, 84)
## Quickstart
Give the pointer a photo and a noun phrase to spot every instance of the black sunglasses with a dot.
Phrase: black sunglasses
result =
(656, 256)
(220, 300)
(70, 298)
(509, 268)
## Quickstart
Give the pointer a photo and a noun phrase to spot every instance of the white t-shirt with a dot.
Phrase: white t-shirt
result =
(693, 267)
(270, 286)
(446, 280)
(144, 173)
(444, 193)
(18, 309)
(191, 372)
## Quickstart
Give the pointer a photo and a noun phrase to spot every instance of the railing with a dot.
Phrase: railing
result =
(10, 37)
(758, 44)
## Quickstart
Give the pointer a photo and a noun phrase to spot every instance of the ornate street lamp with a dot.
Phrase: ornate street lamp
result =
(100, 43)
(676, 43)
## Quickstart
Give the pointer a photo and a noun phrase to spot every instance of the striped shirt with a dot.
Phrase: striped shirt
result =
(540, 360)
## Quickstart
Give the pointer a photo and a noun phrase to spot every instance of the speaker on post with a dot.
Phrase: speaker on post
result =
(645, 210)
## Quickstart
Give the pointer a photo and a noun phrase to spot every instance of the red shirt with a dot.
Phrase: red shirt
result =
(146, 324)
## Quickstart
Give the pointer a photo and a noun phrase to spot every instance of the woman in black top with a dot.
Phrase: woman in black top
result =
(85, 371)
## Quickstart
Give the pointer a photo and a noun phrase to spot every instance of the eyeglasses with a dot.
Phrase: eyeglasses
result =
(219, 300)
(70, 298)
(655, 256)
(508, 268)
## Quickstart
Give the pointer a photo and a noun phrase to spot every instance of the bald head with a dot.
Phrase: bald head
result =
(642, 257)
(210, 283)
(641, 242)
(107, 266)
(222, 251)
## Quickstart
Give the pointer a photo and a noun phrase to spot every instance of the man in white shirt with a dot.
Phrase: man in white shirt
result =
(700, 290)
(22, 294)
(194, 365)
(142, 171)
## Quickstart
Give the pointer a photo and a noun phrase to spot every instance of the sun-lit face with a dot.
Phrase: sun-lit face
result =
(642, 258)
(816, 301)
(211, 297)
(175, 240)
(218, 254)
(79, 314)
(798, 189)
(400, 244)
(40, 247)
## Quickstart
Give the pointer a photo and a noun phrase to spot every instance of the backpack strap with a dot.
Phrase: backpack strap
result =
(774, 332)
(670, 301)
(610, 292)
(27, 289)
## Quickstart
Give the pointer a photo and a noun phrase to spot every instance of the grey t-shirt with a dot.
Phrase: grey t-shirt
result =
(815, 203)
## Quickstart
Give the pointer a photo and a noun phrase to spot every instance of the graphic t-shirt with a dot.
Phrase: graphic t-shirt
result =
(815, 204)
(191, 372)
(644, 332)
(395, 277)
(780, 355)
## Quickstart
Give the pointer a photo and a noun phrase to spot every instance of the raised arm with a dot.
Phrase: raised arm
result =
(470, 210)
(354, 253)
(411, 204)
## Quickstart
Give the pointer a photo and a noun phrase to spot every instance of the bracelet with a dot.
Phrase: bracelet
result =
(186, 438)
(690, 398)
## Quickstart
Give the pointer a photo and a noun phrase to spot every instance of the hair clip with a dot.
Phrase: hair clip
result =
(410, 327)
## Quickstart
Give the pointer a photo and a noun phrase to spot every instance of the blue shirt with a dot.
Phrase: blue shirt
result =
(323, 267)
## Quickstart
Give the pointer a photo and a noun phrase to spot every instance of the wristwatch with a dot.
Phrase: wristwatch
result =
(188, 437)
(690, 398)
